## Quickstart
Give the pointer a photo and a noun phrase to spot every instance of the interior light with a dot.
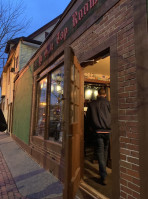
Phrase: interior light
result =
(44, 85)
(88, 93)
(95, 93)
(43, 103)
(85, 109)
(58, 88)
(52, 88)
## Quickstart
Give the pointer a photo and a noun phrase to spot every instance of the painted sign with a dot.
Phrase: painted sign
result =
(77, 18)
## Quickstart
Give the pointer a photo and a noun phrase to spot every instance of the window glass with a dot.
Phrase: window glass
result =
(41, 108)
(56, 105)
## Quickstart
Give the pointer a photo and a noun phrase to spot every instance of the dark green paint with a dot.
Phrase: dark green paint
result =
(22, 106)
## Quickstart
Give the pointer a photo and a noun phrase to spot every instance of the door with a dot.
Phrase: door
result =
(73, 123)
(9, 118)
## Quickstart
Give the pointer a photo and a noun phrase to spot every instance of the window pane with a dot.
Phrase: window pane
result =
(73, 72)
(56, 105)
(77, 78)
(72, 113)
(41, 107)
(72, 93)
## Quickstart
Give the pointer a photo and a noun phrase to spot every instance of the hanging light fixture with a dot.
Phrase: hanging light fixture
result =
(88, 93)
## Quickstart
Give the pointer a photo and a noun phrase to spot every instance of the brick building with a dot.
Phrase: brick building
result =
(96, 43)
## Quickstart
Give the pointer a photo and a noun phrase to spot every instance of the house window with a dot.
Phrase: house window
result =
(16, 65)
(16, 62)
(41, 107)
(56, 105)
(9, 76)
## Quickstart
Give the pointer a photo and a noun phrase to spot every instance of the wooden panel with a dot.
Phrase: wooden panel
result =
(73, 129)
(96, 81)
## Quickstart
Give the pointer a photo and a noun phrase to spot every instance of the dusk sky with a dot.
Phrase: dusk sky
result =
(41, 12)
(38, 12)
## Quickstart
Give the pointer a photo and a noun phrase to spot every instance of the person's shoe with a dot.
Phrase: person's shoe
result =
(103, 181)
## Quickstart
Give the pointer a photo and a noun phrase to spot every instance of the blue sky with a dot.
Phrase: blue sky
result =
(38, 12)
(41, 12)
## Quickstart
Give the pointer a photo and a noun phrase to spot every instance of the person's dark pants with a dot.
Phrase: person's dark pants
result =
(102, 144)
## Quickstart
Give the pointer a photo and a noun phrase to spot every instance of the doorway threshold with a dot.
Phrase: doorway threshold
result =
(87, 192)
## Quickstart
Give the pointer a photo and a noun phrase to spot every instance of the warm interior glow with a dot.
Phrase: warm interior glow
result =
(95, 93)
(58, 88)
(88, 93)
(43, 103)
(52, 88)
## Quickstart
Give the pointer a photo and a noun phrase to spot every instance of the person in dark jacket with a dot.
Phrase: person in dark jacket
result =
(99, 117)
(3, 124)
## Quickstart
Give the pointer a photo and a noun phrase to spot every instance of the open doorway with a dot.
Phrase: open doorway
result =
(96, 76)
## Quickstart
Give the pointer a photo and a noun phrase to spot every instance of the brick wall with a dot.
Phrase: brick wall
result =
(119, 21)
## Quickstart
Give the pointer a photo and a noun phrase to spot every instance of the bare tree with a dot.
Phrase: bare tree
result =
(12, 22)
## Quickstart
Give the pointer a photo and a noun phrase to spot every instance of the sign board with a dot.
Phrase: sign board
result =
(78, 17)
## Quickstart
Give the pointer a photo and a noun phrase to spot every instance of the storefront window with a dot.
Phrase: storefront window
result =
(56, 105)
(41, 107)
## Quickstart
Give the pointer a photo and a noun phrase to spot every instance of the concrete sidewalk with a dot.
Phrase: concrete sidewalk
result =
(21, 177)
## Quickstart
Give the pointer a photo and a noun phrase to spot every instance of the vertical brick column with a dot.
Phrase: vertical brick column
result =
(127, 107)
(141, 46)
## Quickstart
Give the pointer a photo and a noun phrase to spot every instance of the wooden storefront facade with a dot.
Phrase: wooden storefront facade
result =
(88, 30)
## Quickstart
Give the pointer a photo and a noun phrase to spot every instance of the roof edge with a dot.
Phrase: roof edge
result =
(43, 28)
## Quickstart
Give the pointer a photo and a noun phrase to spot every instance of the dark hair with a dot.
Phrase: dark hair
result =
(101, 91)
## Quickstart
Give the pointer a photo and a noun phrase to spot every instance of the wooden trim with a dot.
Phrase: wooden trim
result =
(48, 106)
(96, 81)
(33, 117)
(46, 121)
(82, 125)
(141, 45)
(67, 138)
(111, 46)
(52, 66)
(40, 140)
(90, 193)
(13, 108)
(114, 120)
(32, 104)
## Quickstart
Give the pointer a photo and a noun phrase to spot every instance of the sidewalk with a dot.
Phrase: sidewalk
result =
(21, 177)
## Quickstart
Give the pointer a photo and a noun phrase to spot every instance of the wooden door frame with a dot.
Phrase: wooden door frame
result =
(110, 44)
(69, 189)
(67, 143)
